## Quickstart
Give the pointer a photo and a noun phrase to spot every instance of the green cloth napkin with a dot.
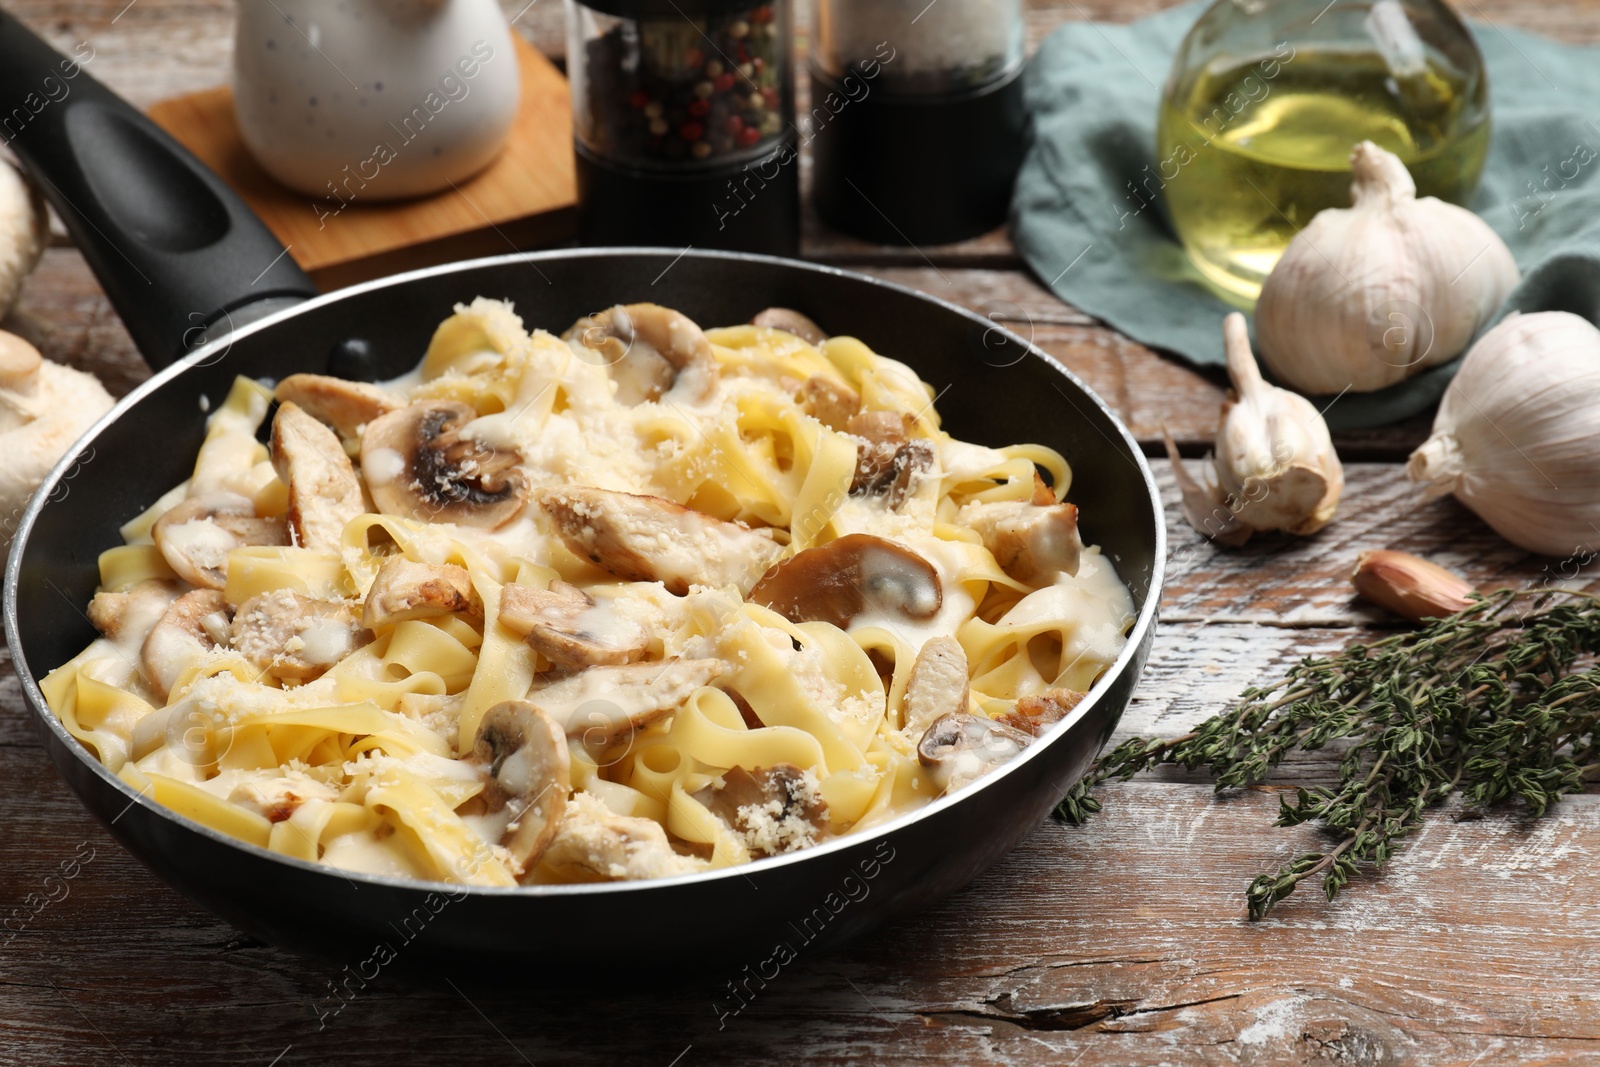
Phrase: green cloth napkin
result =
(1093, 90)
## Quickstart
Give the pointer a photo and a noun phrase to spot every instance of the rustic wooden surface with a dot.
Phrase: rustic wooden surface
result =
(1122, 942)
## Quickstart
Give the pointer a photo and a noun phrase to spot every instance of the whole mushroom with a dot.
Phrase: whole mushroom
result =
(44, 408)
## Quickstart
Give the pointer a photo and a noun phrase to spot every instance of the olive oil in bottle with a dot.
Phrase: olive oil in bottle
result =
(1248, 154)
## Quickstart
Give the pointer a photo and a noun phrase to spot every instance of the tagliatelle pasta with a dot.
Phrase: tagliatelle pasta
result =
(637, 601)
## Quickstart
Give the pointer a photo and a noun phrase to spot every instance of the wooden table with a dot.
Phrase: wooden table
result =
(1123, 942)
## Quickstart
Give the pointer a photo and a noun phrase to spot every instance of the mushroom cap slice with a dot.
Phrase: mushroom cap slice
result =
(648, 539)
(854, 575)
(419, 465)
(790, 321)
(346, 406)
(566, 625)
(195, 536)
(770, 809)
(295, 637)
(404, 589)
(1036, 714)
(192, 626)
(960, 748)
(529, 770)
(649, 350)
(887, 458)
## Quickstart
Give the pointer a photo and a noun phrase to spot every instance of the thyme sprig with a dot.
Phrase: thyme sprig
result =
(1499, 702)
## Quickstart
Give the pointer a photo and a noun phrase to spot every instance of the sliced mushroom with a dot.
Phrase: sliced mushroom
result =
(324, 493)
(131, 614)
(648, 539)
(193, 625)
(418, 464)
(855, 575)
(770, 809)
(568, 628)
(603, 706)
(295, 637)
(595, 843)
(346, 406)
(960, 748)
(831, 403)
(1032, 544)
(405, 589)
(1036, 714)
(196, 536)
(937, 685)
(649, 350)
(886, 457)
(790, 321)
(529, 769)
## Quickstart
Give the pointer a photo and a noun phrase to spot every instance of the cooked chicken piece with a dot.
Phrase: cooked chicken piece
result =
(279, 798)
(1031, 543)
(770, 809)
(937, 684)
(596, 844)
(886, 457)
(196, 536)
(193, 625)
(831, 403)
(296, 637)
(602, 705)
(324, 493)
(405, 589)
(345, 406)
(648, 539)
(1036, 714)
(1043, 495)
(130, 615)
(565, 625)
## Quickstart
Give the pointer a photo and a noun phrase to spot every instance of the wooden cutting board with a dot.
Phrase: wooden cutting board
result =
(524, 200)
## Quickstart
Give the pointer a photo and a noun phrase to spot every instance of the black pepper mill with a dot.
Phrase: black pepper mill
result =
(917, 117)
(683, 122)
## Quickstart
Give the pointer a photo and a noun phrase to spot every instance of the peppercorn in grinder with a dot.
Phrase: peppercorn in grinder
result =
(683, 115)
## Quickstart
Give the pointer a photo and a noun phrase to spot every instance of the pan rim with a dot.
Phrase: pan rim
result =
(1144, 622)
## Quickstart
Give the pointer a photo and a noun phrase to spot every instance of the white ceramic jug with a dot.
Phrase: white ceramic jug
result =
(350, 100)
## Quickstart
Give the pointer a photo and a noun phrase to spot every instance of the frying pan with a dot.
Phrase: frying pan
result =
(207, 293)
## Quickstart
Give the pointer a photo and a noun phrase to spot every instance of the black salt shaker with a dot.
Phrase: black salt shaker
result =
(916, 121)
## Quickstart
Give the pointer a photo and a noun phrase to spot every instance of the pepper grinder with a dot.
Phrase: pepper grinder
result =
(683, 123)
(917, 116)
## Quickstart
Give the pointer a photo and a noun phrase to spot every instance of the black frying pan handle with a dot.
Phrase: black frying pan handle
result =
(179, 254)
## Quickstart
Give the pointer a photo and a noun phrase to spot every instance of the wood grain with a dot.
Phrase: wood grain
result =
(1122, 942)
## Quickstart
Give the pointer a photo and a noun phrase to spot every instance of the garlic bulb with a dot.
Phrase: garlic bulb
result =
(1367, 296)
(1275, 464)
(1517, 437)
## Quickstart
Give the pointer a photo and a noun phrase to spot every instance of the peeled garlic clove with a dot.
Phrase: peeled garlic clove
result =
(1408, 585)
(1517, 436)
(1367, 296)
(1275, 461)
